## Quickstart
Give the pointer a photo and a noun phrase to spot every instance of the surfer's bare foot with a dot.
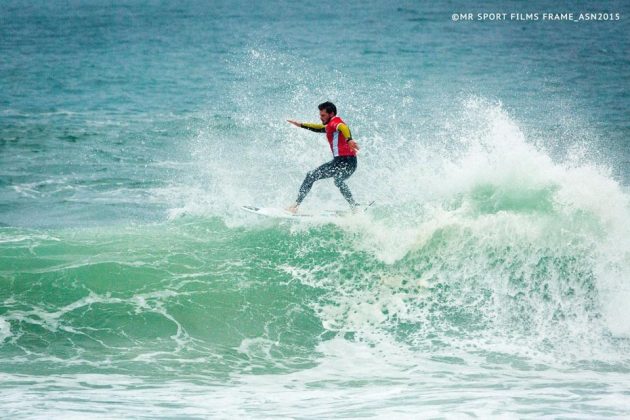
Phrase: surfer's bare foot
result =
(354, 208)
(293, 208)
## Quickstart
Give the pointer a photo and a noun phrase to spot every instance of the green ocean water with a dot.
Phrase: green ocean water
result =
(489, 279)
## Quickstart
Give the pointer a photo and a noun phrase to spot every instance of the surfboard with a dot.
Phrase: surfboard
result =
(278, 213)
(284, 214)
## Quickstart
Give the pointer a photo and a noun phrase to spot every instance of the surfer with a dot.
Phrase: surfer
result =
(344, 150)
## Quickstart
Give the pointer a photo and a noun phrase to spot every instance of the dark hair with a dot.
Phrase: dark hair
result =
(329, 107)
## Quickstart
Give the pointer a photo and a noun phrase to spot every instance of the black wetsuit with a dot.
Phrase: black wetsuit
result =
(340, 168)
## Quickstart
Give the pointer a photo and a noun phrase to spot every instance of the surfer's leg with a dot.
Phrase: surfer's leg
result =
(326, 170)
(345, 191)
(344, 169)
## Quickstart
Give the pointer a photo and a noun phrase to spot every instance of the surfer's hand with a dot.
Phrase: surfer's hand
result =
(295, 123)
(353, 145)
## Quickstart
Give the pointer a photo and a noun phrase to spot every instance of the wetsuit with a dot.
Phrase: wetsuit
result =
(344, 160)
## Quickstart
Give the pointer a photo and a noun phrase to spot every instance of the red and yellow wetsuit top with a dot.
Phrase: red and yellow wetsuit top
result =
(337, 133)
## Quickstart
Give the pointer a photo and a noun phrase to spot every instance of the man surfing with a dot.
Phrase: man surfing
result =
(344, 150)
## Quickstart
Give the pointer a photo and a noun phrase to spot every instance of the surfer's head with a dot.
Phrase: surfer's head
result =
(327, 110)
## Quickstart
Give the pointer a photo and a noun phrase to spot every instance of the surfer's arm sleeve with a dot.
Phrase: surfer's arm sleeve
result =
(318, 128)
(345, 130)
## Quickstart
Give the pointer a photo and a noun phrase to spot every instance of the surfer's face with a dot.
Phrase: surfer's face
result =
(325, 116)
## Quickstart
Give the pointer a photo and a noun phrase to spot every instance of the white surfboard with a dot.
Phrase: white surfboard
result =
(278, 213)
(285, 214)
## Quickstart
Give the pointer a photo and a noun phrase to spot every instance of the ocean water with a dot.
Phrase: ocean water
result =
(489, 279)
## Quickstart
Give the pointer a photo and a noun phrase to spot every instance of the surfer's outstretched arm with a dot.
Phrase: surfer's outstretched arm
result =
(318, 128)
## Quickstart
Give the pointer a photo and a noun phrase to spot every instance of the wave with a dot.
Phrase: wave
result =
(479, 241)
